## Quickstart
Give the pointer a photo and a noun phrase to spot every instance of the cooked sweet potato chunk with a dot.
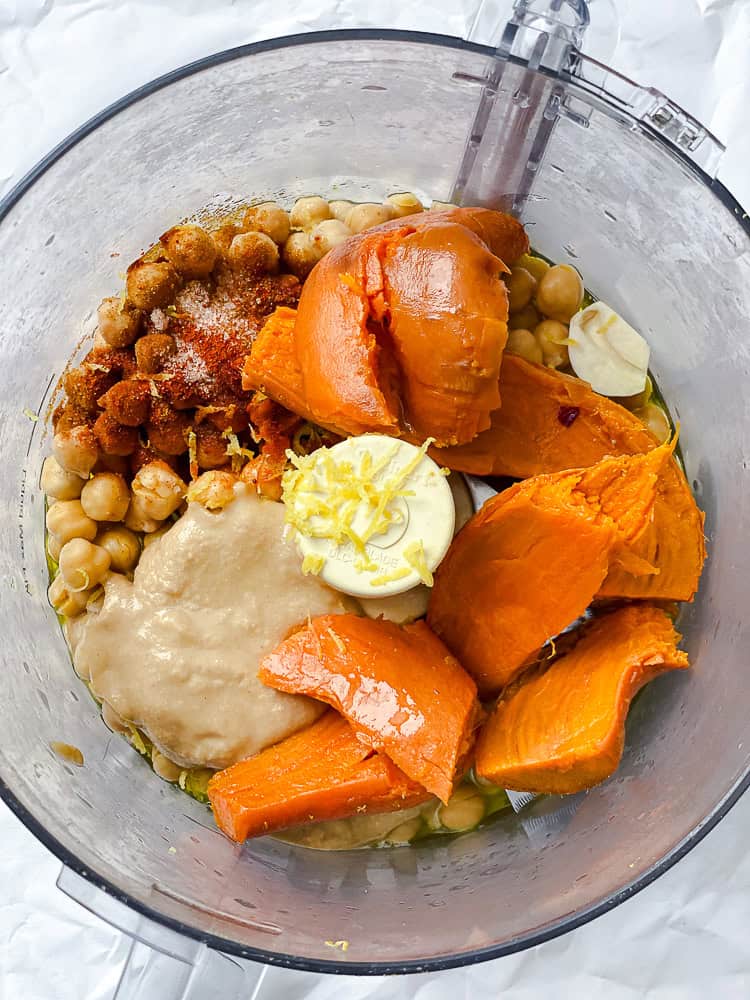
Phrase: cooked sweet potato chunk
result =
(549, 422)
(530, 562)
(400, 689)
(562, 729)
(504, 235)
(324, 772)
(366, 355)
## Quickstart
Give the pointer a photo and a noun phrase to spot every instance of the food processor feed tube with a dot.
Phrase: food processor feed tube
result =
(189, 892)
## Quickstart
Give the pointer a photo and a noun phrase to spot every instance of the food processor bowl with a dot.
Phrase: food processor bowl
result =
(610, 177)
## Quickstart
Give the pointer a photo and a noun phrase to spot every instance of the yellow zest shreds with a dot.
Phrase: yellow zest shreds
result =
(235, 450)
(312, 564)
(396, 574)
(192, 453)
(350, 282)
(337, 641)
(414, 555)
(341, 945)
(136, 741)
(323, 496)
(30, 415)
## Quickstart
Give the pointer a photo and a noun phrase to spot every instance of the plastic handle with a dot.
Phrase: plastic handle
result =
(151, 975)
(162, 964)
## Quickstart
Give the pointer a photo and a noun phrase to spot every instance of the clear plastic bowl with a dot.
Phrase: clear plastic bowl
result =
(357, 115)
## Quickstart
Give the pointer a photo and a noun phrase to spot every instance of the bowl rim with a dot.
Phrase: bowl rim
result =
(226, 945)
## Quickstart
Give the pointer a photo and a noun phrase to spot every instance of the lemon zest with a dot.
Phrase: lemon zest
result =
(415, 556)
(312, 563)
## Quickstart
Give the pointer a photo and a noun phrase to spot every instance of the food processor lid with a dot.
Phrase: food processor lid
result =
(498, 166)
(504, 151)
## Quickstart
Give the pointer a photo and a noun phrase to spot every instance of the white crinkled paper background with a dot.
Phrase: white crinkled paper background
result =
(683, 938)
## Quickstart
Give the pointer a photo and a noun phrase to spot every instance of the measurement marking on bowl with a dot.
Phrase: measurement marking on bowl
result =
(258, 925)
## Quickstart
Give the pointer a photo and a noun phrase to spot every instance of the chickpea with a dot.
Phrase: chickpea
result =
(525, 319)
(269, 218)
(641, 399)
(152, 285)
(66, 602)
(255, 252)
(560, 292)
(76, 449)
(309, 211)
(137, 519)
(53, 547)
(405, 832)
(656, 420)
(328, 234)
(210, 447)
(153, 351)
(404, 204)
(106, 497)
(164, 767)
(551, 336)
(113, 720)
(159, 490)
(340, 210)
(521, 288)
(58, 483)
(123, 547)
(168, 429)
(300, 254)
(213, 490)
(113, 463)
(367, 215)
(119, 322)
(464, 810)
(191, 250)
(536, 266)
(152, 537)
(224, 235)
(67, 519)
(82, 564)
(84, 385)
(113, 437)
(525, 345)
(128, 402)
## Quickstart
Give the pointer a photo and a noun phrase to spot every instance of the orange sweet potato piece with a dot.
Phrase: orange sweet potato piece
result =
(404, 318)
(562, 729)
(530, 562)
(549, 422)
(400, 330)
(504, 235)
(323, 772)
(400, 689)
(272, 364)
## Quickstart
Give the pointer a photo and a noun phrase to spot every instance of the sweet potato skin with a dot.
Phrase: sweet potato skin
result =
(533, 434)
(323, 772)
(531, 560)
(399, 687)
(562, 729)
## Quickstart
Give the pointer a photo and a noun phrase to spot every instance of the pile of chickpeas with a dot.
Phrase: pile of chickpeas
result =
(314, 226)
(542, 300)
(108, 496)
(98, 524)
